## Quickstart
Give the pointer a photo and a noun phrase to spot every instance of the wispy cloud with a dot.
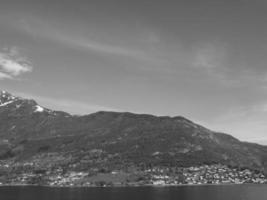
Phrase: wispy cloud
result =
(103, 48)
(13, 64)
(37, 28)
(210, 57)
(215, 60)
(146, 53)
(4, 76)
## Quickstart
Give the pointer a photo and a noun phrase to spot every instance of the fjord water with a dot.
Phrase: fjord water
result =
(222, 192)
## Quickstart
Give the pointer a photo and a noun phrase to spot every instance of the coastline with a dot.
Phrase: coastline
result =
(130, 186)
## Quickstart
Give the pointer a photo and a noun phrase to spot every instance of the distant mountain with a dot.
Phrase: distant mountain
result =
(32, 133)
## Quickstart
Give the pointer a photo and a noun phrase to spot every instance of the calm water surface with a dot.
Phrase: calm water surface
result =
(236, 192)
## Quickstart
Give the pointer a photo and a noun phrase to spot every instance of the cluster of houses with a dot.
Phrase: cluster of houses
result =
(208, 174)
(205, 174)
(69, 179)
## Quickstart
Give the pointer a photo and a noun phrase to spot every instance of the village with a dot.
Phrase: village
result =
(155, 176)
(208, 174)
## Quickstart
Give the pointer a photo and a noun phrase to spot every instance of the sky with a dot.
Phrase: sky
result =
(204, 60)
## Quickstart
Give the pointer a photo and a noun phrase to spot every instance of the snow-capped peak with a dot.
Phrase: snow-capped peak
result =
(22, 104)
(6, 98)
(39, 108)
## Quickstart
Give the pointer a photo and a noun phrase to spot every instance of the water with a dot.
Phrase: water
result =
(230, 192)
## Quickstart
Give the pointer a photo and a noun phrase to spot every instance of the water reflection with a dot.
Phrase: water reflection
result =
(237, 192)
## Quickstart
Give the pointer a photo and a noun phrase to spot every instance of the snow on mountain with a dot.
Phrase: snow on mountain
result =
(6, 103)
(39, 109)
(6, 98)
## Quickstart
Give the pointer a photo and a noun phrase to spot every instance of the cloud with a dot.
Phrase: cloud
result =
(4, 76)
(215, 60)
(102, 44)
(212, 59)
(13, 64)
(100, 47)
(210, 56)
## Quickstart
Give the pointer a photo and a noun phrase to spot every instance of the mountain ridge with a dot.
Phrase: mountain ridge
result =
(121, 139)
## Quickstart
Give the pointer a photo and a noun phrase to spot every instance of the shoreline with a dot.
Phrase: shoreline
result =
(132, 186)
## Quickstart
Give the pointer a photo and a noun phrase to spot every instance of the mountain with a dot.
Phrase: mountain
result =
(114, 140)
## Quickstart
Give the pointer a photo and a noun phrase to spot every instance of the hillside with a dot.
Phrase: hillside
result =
(113, 140)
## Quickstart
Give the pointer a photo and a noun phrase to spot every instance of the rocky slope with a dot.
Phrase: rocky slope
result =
(31, 133)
